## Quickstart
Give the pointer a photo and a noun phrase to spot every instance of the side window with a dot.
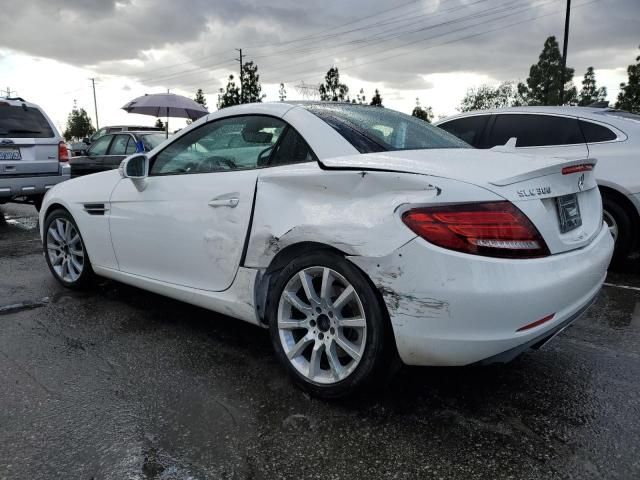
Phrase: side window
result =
(119, 145)
(131, 147)
(535, 130)
(100, 146)
(468, 129)
(236, 143)
(292, 149)
(596, 133)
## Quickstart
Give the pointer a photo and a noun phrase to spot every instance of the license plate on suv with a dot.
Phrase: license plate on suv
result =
(10, 154)
(569, 212)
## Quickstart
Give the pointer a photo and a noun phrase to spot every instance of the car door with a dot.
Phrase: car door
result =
(539, 134)
(117, 151)
(189, 224)
(93, 160)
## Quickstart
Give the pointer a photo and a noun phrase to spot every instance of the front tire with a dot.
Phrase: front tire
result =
(65, 252)
(327, 326)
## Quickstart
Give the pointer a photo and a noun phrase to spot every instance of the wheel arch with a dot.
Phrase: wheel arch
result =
(624, 202)
(264, 282)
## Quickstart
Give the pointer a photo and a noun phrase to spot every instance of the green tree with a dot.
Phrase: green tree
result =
(425, 114)
(78, 124)
(333, 90)
(485, 96)
(545, 78)
(200, 98)
(590, 92)
(251, 88)
(377, 99)
(159, 123)
(360, 98)
(229, 96)
(629, 96)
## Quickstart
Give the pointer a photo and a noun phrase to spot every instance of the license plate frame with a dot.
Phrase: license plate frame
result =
(10, 154)
(569, 212)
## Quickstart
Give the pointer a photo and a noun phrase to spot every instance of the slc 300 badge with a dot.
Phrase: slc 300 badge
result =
(534, 192)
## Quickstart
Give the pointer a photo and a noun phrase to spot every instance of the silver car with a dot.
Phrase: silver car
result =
(33, 155)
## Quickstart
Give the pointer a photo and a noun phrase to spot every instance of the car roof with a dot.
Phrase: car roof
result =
(18, 101)
(575, 111)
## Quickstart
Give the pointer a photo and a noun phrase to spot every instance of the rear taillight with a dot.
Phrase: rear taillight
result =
(63, 152)
(496, 229)
(585, 167)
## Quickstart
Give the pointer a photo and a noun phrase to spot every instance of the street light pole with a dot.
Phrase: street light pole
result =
(564, 50)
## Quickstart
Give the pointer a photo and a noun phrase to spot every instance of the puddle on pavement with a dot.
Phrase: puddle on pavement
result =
(23, 223)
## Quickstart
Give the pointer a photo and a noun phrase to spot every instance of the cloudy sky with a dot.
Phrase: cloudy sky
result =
(430, 49)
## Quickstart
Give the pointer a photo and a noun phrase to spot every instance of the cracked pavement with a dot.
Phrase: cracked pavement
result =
(119, 383)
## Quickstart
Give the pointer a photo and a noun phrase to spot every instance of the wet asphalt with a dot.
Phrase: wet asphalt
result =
(119, 383)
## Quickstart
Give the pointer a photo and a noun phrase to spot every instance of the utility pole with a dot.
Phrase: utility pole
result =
(240, 60)
(95, 103)
(564, 50)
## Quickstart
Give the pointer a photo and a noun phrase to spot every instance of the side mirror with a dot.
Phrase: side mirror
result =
(136, 168)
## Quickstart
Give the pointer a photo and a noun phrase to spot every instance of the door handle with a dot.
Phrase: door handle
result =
(224, 202)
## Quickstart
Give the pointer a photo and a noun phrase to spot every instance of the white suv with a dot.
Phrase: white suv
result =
(33, 155)
(611, 136)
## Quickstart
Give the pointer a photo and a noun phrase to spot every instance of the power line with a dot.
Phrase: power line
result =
(466, 37)
(511, 12)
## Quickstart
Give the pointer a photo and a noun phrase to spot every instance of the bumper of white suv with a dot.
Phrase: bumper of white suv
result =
(13, 187)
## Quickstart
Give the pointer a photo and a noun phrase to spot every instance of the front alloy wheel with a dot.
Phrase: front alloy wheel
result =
(322, 325)
(64, 250)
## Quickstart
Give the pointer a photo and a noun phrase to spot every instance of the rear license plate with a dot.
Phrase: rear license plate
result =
(10, 154)
(569, 212)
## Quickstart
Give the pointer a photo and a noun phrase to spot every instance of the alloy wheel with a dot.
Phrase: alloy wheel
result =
(611, 223)
(65, 250)
(322, 325)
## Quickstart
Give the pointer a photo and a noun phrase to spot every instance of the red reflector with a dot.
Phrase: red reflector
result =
(494, 229)
(536, 323)
(586, 167)
(63, 152)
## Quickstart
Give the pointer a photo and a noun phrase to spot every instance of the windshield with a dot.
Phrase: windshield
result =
(152, 140)
(376, 129)
(23, 122)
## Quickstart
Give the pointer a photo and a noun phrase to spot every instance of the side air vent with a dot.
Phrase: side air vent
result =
(95, 208)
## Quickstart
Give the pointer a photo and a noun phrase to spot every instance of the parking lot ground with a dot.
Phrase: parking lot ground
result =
(119, 383)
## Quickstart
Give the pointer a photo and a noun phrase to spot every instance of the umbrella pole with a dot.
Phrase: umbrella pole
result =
(167, 131)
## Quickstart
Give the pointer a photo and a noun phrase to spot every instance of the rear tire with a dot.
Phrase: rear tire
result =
(620, 224)
(65, 252)
(330, 332)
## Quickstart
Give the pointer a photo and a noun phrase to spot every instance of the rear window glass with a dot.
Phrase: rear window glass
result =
(373, 129)
(468, 129)
(596, 133)
(23, 122)
(535, 130)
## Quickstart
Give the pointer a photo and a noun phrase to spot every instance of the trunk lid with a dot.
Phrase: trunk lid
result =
(548, 190)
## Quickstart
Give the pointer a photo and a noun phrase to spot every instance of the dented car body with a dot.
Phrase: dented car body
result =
(220, 236)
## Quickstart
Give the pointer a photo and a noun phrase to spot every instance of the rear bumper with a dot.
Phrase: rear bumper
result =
(448, 308)
(32, 186)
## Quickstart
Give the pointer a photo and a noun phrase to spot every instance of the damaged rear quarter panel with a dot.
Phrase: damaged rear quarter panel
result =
(353, 211)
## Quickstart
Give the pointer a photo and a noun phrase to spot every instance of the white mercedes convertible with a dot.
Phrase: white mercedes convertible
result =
(356, 234)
